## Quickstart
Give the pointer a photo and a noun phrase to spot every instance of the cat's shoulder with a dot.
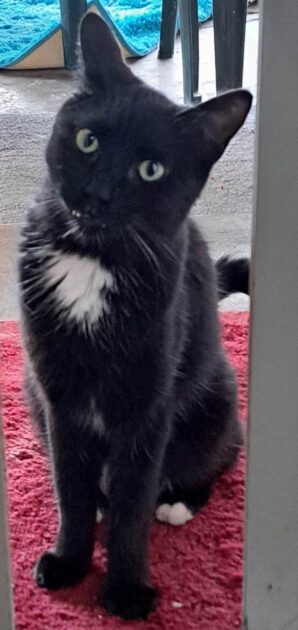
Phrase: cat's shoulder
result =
(198, 249)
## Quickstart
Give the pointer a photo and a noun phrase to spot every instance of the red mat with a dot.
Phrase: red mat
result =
(198, 568)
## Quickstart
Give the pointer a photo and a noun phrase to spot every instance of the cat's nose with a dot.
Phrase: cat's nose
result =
(104, 193)
(99, 191)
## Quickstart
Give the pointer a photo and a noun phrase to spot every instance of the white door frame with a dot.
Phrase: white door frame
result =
(271, 564)
(6, 615)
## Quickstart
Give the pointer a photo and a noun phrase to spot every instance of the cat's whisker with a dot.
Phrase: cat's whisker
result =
(162, 242)
(158, 239)
(36, 248)
(32, 282)
(150, 457)
(70, 232)
(145, 249)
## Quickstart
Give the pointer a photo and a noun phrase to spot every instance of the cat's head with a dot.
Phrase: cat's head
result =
(122, 154)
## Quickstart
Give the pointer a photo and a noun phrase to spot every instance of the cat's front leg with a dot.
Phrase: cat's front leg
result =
(133, 487)
(75, 469)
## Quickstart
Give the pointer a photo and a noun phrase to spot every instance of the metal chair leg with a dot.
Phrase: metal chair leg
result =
(189, 30)
(168, 29)
(195, 43)
(71, 13)
(229, 37)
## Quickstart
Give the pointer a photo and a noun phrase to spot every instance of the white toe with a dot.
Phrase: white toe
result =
(176, 514)
(179, 514)
(162, 512)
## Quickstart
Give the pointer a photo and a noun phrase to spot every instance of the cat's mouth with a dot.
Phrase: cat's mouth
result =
(93, 218)
(97, 225)
(79, 215)
(83, 210)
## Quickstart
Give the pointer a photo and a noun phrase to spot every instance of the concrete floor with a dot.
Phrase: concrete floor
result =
(38, 91)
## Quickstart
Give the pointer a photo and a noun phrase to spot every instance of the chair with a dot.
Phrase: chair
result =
(71, 14)
(229, 18)
(229, 35)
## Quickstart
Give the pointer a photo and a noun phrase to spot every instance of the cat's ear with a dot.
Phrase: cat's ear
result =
(217, 120)
(100, 54)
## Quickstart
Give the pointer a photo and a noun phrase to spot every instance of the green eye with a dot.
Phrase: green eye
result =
(151, 171)
(86, 141)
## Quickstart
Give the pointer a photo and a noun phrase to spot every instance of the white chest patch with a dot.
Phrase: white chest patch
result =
(82, 286)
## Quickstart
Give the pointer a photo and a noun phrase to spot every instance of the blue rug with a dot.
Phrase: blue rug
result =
(25, 24)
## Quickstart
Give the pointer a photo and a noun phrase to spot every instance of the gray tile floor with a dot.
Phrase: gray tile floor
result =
(38, 91)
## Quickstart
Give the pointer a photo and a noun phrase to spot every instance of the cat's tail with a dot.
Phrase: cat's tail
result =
(232, 276)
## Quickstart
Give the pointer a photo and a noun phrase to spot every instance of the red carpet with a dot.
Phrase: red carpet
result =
(197, 567)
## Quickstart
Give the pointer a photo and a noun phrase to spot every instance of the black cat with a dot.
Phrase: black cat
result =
(126, 375)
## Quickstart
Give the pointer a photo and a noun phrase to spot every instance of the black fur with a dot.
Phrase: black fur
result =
(232, 276)
(147, 388)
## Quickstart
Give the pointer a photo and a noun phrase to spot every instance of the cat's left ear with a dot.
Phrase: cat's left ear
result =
(216, 121)
(101, 56)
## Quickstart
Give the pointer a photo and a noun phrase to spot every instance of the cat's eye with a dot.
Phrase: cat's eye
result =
(86, 141)
(151, 171)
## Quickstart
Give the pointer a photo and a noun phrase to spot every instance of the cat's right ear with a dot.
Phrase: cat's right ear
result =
(215, 122)
(100, 54)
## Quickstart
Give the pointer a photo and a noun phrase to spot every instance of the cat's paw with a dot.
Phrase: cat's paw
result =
(53, 571)
(176, 514)
(129, 601)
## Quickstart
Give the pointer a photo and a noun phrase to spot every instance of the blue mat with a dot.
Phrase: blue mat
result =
(25, 24)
